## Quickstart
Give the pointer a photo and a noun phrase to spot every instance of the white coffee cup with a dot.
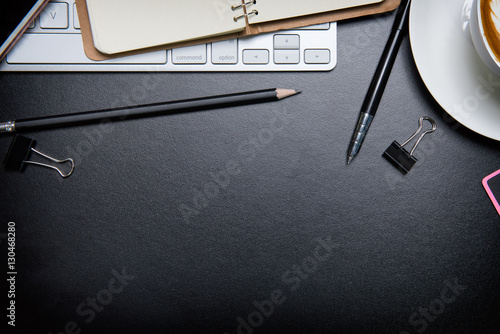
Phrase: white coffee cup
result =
(485, 32)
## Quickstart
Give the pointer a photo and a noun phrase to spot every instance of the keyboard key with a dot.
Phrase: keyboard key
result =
(196, 54)
(68, 49)
(286, 42)
(322, 26)
(225, 52)
(54, 16)
(317, 56)
(286, 56)
(76, 21)
(252, 56)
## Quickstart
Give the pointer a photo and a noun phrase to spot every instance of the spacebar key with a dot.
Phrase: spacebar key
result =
(68, 49)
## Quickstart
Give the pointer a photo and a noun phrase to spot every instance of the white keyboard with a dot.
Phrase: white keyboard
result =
(54, 43)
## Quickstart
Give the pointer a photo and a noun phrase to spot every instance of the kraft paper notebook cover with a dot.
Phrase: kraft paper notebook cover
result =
(126, 27)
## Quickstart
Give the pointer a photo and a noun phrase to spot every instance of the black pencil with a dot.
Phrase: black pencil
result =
(156, 109)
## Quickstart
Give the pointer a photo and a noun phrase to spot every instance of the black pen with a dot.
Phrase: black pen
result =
(379, 80)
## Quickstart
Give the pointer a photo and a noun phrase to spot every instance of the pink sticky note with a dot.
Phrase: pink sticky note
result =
(491, 184)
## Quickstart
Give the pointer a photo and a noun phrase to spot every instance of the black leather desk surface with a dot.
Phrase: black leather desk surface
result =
(248, 220)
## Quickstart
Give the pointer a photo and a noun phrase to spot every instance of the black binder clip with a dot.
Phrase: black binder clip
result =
(400, 157)
(20, 150)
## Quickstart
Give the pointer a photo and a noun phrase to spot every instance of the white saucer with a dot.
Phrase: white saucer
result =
(450, 67)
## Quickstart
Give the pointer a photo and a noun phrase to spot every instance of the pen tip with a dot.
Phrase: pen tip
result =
(349, 159)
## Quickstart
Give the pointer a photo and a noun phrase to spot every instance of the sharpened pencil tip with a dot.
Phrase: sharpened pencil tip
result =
(282, 93)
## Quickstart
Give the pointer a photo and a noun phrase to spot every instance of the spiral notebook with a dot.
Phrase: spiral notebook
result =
(118, 27)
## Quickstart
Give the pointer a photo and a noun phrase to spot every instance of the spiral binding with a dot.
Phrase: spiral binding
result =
(248, 3)
(244, 5)
(253, 12)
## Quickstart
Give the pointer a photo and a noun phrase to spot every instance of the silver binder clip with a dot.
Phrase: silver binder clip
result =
(20, 150)
(400, 157)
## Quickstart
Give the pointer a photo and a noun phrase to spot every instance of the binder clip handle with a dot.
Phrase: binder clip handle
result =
(420, 127)
(64, 175)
